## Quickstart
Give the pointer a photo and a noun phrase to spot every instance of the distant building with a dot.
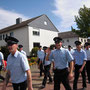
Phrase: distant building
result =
(70, 37)
(89, 39)
(31, 33)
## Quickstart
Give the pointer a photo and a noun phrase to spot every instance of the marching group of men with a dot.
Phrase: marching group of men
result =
(17, 69)
(66, 65)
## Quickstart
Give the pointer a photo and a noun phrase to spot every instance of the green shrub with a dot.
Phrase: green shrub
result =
(33, 59)
(5, 51)
(34, 52)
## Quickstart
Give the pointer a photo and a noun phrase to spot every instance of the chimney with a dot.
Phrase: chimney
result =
(18, 20)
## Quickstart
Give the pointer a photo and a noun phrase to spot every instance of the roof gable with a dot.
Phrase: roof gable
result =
(24, 23)
(43, 22)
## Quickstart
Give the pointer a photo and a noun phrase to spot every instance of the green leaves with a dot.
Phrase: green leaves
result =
(83, 22)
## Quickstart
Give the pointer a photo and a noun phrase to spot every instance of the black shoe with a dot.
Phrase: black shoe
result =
(49, 82)
(2, 78)
(42, 87)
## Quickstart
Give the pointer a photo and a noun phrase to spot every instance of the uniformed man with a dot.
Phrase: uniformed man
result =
(17, 67)
(61, 57)
(40, 56)
(87, 50)
(70, 49)
(80, 61)
(2, 64)
(21, 49)
(47, 65)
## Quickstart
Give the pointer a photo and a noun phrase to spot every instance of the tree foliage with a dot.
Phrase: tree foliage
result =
(83, 22)
(34, 52)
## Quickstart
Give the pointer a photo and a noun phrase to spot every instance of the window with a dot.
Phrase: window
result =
(84, 40)
(1, 37)
(37, 33)
(6, 35)
(36, 44)
(11, 34)
(45, 23)
(81, 40)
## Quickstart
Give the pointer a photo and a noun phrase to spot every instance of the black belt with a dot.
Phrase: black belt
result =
(60, 70)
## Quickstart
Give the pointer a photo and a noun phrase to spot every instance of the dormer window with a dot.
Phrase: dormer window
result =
(45, 23)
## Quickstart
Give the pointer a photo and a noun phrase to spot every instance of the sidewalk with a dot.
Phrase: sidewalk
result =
(37, 82)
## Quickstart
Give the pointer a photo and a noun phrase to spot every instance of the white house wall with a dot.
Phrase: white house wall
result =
(2, 42)
(71, 41)
(45, 38)
(82, 40)
(22, 35)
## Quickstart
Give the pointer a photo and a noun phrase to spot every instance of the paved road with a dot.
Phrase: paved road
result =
(37, 82)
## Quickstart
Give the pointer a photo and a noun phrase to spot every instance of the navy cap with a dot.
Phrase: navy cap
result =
(69, 46)
(57, 39)
(40, 46)
(52, 46)
(77, 42)
(20, 46)
(11, 40)
(87, 44)
(45, 47)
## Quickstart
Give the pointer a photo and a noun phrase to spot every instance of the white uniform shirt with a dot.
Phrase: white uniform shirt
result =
(1, 58)
(88, 54)
(23, 52)
(17, 64)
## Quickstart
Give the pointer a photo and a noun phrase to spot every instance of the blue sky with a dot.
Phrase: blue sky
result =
(60, 12)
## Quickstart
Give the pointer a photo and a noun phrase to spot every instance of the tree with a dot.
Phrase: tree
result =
(34, 52)
(83, 22)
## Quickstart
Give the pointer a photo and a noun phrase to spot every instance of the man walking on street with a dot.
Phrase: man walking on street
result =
(80, 61)
(21, 49)
(40, 56)
(17, 67)
(47, 65)
(87, 50)
(61, 57)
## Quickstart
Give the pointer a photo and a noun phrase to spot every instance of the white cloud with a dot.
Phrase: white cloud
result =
(8, 18)
(66, 10)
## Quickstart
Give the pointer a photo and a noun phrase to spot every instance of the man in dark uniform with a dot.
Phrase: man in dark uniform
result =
(47, 65)
(80, 58)
(17, 67)
(21, 49)
(40, 56)
(87, 50)
(61, 57)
